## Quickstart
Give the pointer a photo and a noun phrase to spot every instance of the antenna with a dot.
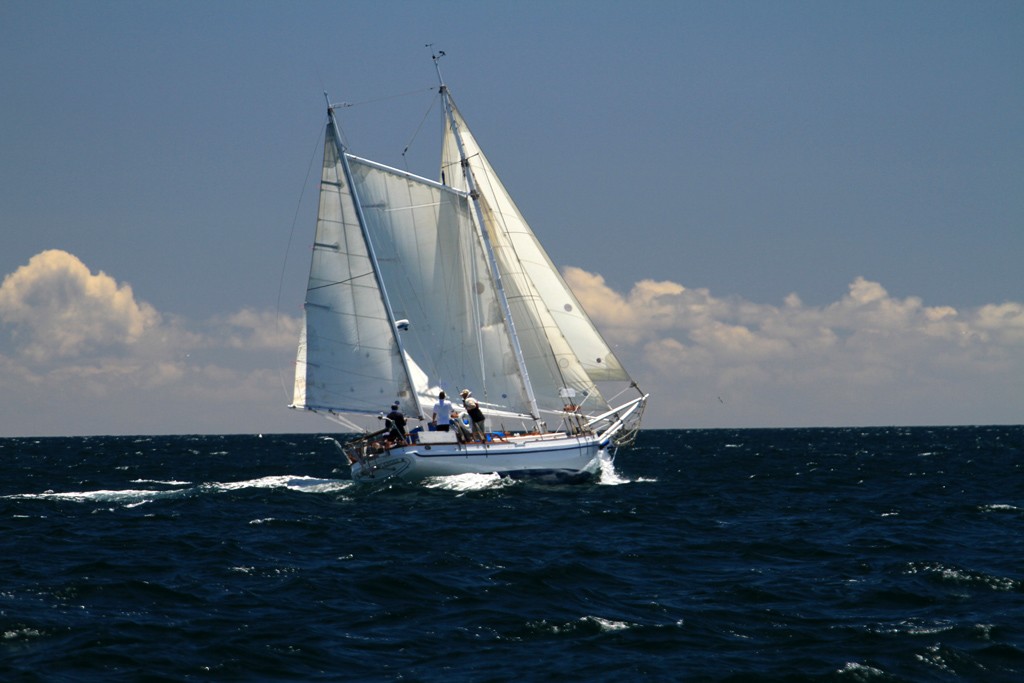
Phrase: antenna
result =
(436, 56)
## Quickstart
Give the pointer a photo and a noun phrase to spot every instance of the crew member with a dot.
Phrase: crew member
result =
(442, 413)
(395, 423)
(474, 412)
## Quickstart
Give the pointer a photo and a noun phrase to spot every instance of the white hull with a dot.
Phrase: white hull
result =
(551, 454)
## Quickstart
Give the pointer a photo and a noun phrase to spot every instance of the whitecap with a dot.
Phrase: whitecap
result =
(21, 633)
(860, 672)
(607, 624)
(302, 484)
(1000, 507)
(126, 496)
(468, 482)
(965, 576)
(934, 657)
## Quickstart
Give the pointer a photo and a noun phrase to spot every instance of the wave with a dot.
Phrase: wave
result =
(125, 496)
(465, 483)
(302, 484)
(135, 497)
(964, 577)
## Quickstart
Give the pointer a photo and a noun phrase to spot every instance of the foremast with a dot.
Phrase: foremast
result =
(361, 218)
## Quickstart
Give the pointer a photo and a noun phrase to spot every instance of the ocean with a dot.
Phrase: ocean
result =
(883, 554)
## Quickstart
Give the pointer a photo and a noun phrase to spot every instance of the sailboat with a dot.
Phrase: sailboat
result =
(419, 286)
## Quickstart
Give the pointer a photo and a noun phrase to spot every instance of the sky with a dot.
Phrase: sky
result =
(780, 214)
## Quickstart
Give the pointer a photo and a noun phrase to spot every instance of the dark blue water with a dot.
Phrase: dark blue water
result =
(728, 555)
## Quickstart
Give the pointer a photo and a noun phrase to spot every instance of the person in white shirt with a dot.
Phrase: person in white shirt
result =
(442, 413)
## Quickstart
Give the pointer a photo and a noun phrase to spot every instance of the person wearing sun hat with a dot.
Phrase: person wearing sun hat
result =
(475, 414)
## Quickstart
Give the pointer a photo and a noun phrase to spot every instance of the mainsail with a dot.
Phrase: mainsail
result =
(417, 286)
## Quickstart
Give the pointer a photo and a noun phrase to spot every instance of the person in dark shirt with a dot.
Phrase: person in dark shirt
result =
(475, 414)
(395, 423)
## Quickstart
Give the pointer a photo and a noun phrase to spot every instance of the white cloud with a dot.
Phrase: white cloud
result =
(59, 309)
(249, 329)
(79, 353)
(868, 357)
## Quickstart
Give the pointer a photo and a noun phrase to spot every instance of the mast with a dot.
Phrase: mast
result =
(336, 134)
(474, 195)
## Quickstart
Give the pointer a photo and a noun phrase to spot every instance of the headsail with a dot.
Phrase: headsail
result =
(566, 346)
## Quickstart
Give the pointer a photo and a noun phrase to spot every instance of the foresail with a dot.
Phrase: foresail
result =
(436, 278)
(348, 356)
(551, 362)
(544, 302)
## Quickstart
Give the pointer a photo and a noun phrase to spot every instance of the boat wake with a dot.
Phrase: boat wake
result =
(293, 483)
(465, 483)
(136, 497)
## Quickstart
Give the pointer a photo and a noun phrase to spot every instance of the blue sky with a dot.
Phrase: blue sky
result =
(813, 211)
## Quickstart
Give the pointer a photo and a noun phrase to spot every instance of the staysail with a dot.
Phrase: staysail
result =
(430, 257)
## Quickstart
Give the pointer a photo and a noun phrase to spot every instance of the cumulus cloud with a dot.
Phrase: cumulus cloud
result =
(58, 308)
(249, 328)
(69, 336)
(892, 359)
(81, 353)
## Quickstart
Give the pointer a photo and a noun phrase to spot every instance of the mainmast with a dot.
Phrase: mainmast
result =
(492, 261)
(342, 154)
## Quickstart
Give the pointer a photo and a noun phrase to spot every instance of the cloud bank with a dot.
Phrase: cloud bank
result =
(81, 354)
(867, 358)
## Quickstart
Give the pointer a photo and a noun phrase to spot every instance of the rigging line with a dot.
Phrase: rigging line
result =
(433, 101)
(349, 105)
(287, 250)
(339, 282)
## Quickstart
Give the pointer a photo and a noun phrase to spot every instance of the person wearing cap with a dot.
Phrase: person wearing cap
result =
(442, 413)
(475, 414)
(395, 421)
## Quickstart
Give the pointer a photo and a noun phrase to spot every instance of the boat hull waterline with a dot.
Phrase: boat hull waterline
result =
(562, 458)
